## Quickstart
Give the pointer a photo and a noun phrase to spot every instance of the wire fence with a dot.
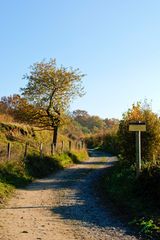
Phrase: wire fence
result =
(17, 150)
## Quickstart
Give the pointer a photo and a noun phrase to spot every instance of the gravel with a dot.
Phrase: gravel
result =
(64, 206)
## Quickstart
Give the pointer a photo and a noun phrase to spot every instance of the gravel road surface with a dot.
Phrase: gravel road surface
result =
(64, 206)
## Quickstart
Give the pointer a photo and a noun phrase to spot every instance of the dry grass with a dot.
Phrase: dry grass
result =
(6, 118)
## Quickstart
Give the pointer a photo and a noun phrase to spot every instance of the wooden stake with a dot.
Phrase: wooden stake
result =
(62, 148)
(41, 150)
(8, 151)
(25, 151)
(70, 145)
(52, 149)
(138, 152)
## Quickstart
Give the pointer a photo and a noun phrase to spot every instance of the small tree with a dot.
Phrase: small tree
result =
(150, 139)
(49, 92)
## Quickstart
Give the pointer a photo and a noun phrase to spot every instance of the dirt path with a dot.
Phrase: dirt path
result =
(62, 207)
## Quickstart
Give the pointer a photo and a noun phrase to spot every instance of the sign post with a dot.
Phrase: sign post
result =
(138, 127)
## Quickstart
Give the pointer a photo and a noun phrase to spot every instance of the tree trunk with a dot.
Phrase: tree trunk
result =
(55, 135)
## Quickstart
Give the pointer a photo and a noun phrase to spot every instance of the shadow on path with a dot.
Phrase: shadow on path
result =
(83, 203)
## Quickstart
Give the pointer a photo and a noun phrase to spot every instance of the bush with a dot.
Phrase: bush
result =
(111, 143)
(94, 141)
(150, 141)
(13, 173)
(119, 183)
(138, 197)
(105, 142)
(78, 156)
(40, 167)
(5, 191)
(148, 185)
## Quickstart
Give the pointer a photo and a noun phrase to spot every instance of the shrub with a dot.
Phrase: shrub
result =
(111, 143)
(150, 139)
(138, 197)
(78, 156)
(40, 167)
(13, 172)
(5, 191)
(148, 184)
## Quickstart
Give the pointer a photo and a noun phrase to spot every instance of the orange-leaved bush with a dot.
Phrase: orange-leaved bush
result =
(150, 140)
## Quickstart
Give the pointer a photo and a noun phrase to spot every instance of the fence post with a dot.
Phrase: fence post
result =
(8, 151)
(82, 144)
(41, 150)
(52, 148)
(62, 147)
(154, 158)
(70, 145)
(25, 151)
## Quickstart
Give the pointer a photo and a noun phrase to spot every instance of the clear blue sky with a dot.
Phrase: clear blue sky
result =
(115, 42)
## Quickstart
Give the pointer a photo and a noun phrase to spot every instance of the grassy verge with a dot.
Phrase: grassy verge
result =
(15, 174)
(138, 198)
(78, 156)
(12, 175)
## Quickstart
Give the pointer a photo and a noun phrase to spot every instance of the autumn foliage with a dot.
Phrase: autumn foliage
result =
(150, 140)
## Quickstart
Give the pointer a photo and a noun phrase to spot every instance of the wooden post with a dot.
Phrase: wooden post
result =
(82, 144)
(25, 151)
(41, 150)
(8, 151)
(52, 149)
(138, 152)
(154, 158)
(62, 147)
(79, 145)
(70, 145)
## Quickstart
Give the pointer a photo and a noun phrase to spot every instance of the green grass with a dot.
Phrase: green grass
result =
(78, 156)
(38, 167)
(5, 191)
(135, 197)
(12, 175)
